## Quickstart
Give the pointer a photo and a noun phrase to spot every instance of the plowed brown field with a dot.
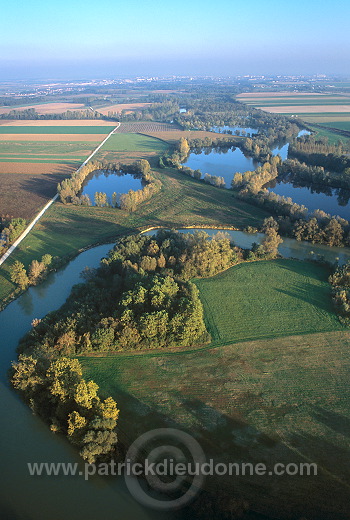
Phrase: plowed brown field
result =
(49, 108)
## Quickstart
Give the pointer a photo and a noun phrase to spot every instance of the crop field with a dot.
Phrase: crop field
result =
(128, 107)
(330, 111)
(127, 147)
(35, 157)
(56, 129)
(45, 108)
(282, 399)
(144, 128)
(172, 136)
(23, 193)
(56, 122)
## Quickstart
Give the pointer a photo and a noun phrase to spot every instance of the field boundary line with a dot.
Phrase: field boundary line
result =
(46, 207)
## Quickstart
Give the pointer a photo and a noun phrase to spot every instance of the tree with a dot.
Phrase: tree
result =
(184, 148)
(46, 259)
(270, 242)
(36, 269)
(19, 275)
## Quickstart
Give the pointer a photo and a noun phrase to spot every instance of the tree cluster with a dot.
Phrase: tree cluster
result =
(35, 273)
(140, 297)
(56, 390)
(317, 152)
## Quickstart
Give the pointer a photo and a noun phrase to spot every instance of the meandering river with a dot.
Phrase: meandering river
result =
(26, 439)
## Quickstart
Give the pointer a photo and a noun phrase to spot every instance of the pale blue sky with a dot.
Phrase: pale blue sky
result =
(227, 37)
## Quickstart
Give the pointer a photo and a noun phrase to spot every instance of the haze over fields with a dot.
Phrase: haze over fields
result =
(75, 40)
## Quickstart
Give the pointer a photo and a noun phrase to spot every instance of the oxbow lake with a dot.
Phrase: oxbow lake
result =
(226, 162)
(110, 182)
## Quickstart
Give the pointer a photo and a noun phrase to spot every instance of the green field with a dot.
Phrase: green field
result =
(341, 125)
(133, 143)
(333, 137)
(55, 129)
(266, 300)
(43, 158)
(45, 147)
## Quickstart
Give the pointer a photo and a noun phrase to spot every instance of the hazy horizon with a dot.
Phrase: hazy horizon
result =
(226, 38)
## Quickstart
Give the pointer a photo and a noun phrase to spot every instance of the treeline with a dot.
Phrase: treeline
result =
(56, 391)
(180, 154)
(70, 189)
(317, 152)
(31, 114)
(141, 295)
(35, 273)
(294, 219)
(299, 172)
(254, 180)
(340, 282)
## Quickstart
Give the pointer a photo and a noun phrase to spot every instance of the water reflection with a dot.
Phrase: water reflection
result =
(110, 182)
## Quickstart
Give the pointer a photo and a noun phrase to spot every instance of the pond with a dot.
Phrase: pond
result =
(223, 162)
(26, 439)
(234, 130)
(281, 147)
(331, 200)
(110, 182)
(290, 248)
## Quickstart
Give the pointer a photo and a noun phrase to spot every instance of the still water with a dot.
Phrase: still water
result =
(235, 130)
(109, 183)
(221, 162)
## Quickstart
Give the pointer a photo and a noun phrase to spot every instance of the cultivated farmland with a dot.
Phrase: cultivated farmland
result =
(126, 147)
(127, 107)
(331, 112)
(34, 157)
(46, 108)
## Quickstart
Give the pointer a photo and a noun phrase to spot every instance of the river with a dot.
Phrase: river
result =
(290, 248)
(26, 439)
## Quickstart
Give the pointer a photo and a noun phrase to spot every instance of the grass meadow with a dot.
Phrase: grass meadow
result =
(286, 297)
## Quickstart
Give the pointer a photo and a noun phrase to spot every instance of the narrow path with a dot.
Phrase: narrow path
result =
(46, 207)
